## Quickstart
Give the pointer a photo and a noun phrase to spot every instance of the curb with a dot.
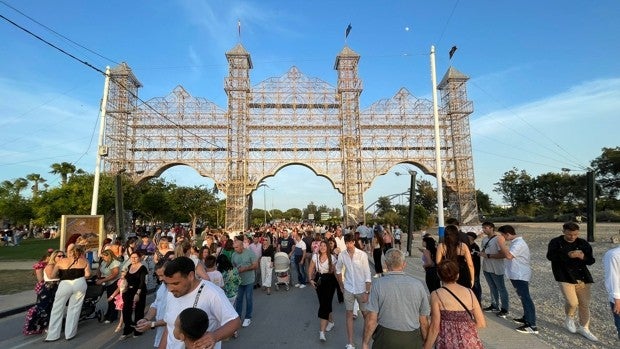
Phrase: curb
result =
(17, 310)
(24, 308)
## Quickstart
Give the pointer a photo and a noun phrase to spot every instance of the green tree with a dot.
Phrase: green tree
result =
(191, 203)
(483, 201)
(558, 193)
(36, 179)
(63, 169)
(19, 184)
(311, 209)
(607, 167)
(72, 198)
(292, 213)
(516, 189)
(384, 205)
(426, 195)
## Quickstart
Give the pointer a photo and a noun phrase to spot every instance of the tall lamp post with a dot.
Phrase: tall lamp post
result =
(411, 227)
(438, 174)
(264, 186)
(118, 204)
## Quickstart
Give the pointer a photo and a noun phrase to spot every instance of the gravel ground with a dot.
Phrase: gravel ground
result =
(545, 291)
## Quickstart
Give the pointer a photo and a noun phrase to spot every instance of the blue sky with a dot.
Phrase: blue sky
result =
(544, 76)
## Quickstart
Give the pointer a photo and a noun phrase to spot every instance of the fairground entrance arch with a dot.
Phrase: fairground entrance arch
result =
(291, 119)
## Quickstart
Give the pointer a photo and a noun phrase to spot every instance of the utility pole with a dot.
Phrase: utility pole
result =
(118, 204)
(411, 211)
(591, 204)
(438, 172)
(101, 149)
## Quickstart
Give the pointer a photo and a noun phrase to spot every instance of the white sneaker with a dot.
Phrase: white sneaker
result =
(570, 324)
(322, 336)
(350, 346)
(297, 285)
(246, 322)
(329, 327)
(586, 333)
(302, 286)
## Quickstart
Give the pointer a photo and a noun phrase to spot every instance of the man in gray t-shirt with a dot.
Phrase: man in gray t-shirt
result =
(493, 269)
(398, 308)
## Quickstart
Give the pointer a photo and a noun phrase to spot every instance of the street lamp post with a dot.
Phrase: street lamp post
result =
(118, 204)
(411, 227)
(438, 171)
(264, 186)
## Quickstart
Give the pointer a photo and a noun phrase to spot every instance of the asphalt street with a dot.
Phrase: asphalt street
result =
(281, 320)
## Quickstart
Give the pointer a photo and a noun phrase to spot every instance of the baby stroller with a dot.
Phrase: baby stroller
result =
(282, 266)
(92, 297)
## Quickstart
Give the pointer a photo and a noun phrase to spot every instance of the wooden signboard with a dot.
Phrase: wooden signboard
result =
(85, 230)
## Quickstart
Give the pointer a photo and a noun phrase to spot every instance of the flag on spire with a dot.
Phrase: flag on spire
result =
(452, 50)
(239, 27)
(346, 32)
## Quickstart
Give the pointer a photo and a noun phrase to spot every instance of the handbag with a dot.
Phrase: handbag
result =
(318, 279)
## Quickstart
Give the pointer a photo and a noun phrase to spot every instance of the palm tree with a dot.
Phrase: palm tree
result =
(20, 184)
(64, 170)
(7, 187)
(36, 179)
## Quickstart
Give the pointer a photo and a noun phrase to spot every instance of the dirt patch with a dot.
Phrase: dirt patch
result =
(14, 281)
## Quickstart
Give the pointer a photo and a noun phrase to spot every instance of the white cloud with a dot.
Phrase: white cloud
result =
(564, 130)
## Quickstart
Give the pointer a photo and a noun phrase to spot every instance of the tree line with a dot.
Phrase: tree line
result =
(548, 196)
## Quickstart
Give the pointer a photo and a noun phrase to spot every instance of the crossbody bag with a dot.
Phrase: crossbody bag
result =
(458, 300)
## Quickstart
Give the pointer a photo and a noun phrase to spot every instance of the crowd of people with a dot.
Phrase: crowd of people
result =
(219, 277)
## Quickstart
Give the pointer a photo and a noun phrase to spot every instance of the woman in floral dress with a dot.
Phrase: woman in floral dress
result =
(37, 317)
(455, 313)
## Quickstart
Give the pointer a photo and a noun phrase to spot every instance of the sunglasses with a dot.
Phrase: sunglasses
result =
(60, 255)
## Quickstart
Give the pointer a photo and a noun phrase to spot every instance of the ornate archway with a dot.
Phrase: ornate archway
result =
(291, 119)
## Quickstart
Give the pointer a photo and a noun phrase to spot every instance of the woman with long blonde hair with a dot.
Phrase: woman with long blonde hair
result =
(72, 272)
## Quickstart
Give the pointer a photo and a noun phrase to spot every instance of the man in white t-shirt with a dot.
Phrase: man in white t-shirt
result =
(185, 291)
(355, 283)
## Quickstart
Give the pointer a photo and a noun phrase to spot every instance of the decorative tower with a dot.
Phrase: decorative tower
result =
(122, 102)
(347, 93)
(237, 87)
(460, 167)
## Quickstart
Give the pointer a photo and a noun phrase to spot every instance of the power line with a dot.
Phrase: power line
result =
(113, 79)
(447, 22)
(57, 33)
(534, 140)
(513, 158)
(52, 45)
(512, 146)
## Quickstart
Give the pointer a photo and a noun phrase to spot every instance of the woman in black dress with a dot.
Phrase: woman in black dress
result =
(453, 249)
(134, 298)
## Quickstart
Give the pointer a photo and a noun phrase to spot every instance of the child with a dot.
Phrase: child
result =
(117, 296)
(190, 325)
(214, 275)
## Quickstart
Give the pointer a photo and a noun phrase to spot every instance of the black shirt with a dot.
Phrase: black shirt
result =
(566, 269)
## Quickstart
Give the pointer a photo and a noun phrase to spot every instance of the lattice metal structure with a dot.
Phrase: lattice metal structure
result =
(292, 119)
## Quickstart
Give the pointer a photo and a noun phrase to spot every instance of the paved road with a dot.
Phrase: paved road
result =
(281, 320)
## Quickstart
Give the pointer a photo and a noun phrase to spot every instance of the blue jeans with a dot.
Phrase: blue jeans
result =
(498, 290)
(245, 291)
(523, 291)
(301, 271)
(616, 319)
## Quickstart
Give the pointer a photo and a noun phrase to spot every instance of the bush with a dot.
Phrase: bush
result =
(608, 216)
(523, 219)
